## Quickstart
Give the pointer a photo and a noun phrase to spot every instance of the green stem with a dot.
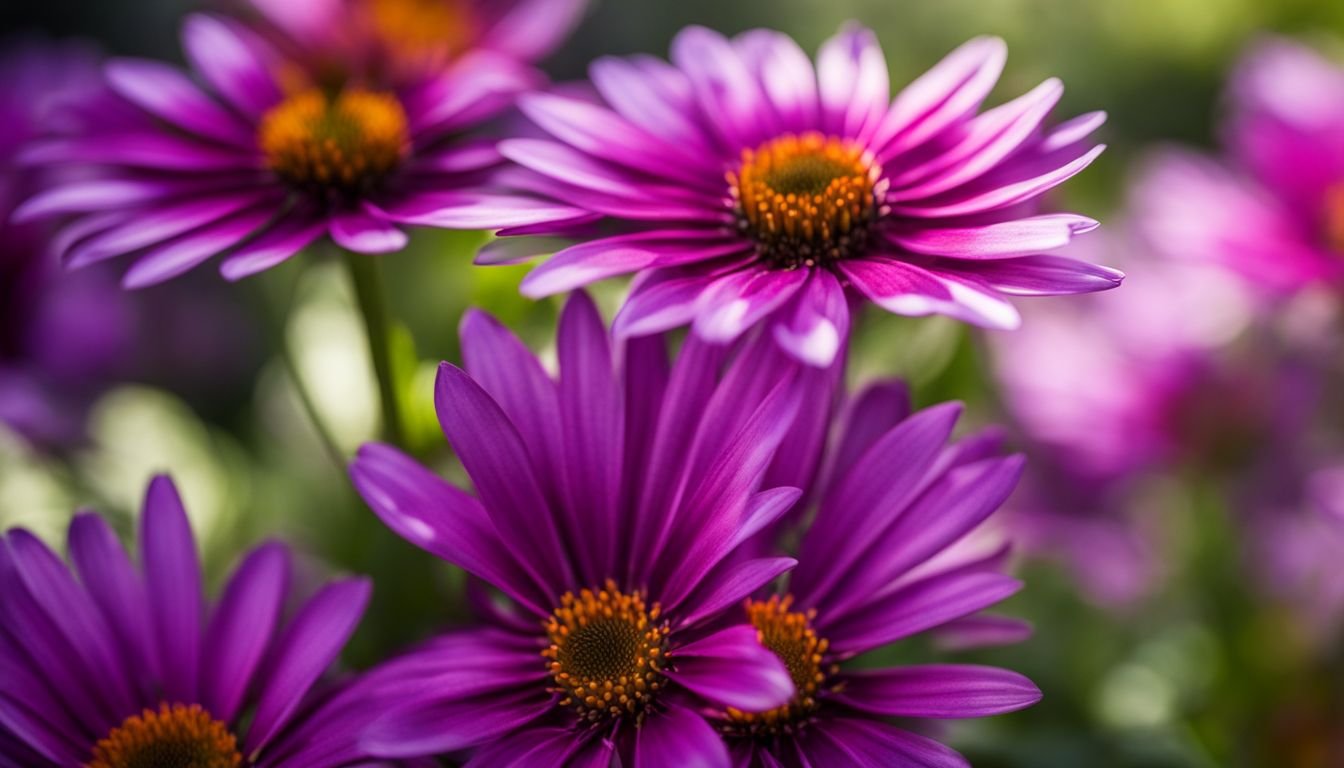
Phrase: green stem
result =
(366, 276)
(278, 326)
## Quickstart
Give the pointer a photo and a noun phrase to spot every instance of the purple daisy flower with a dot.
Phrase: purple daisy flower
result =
(886, 557)
(413, 39)
(257, 158)
(745, 185)
(610, 507)
(61, 340)
(1273, 209)
(109, 667)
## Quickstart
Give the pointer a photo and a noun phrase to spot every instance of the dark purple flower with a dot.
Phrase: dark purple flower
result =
(258, 157)
(610, 506)
(61, 338)
(1273, 207)
(743, 185)
(405, 40)
(886, 557)
(1107, 393)
(112, 667)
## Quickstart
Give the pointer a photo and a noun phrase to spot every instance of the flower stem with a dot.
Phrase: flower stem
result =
(366, 276)
(278, 329)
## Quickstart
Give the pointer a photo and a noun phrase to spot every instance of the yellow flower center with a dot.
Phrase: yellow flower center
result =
(343, 145)
(789, 635)
(1334, 218)
(805, 200)
(607, 652)
(174, 736)
(426, 32)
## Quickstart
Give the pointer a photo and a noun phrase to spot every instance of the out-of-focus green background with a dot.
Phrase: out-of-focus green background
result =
(1202, 674)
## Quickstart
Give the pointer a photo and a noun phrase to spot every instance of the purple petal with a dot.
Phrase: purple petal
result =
(529, 746)
(786, 76)
(906, 289)
(993, 241)
(155, 226)
(878, 408)
(561, 162)
(601, 133)
(473, 210)
(475, 87)
(493, 454)
(1045, 275)
(858, 508)
(990, 194)
(736, 302)
(364, 231)
(442, 520)
(590, 419)
(939, 691)
(277, 244)
(986, 141)
(170, 259)
(723, 86)
(679, 738)
(954, 505)
(309, 645)
(241, 630)
(107, 574)
(447, 724)
(166, 93)
(654, 96)
(871, 744)
(922, 605)
(732, 585)
(587, 262)
(817, 322)
(73, 614)
(156, 151)
(507, 369)
(533, 28)
(947, 93)
(852, 76)
(91, 195)
(234, 61)
(981, 631)
(173, 584)
(732, 668)
(660, 300)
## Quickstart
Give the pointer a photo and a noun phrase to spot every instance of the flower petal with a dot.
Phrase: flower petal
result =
(732, 668)
(939, 691)
(173, 584)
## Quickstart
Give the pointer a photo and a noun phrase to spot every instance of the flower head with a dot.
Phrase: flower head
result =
(258, 156)
(1272, 208)
(610, 509)
(115, 668)
(745, 185)
(886, 558)
(405, 40)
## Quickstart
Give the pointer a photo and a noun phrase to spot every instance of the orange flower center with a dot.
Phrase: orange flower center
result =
(425, 32)
(344, 145)
(789, 635)
(1334, 218)
(805, 200)
(174, 736)
(606, 653)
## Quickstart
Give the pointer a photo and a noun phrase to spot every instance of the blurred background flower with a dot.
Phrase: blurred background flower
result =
(1181, 510)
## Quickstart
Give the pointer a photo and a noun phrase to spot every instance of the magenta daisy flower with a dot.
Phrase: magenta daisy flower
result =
(745, 185)
(886, 558)
(415, 39)
(1273, 208)
(109, 667)
(610, 507)
(256, 158)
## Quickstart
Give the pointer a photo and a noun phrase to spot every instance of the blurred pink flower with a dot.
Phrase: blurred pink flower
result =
(1272, 207)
